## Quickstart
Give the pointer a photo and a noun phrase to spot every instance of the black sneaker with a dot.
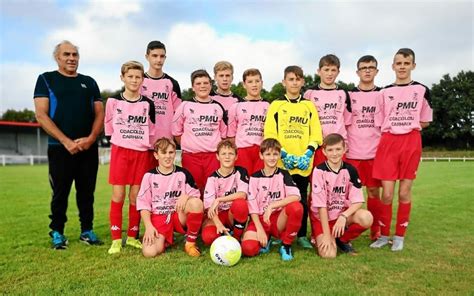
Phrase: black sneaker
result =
(345, 247)
(90, 238)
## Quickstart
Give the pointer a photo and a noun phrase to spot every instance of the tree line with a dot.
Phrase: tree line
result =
(452, 100)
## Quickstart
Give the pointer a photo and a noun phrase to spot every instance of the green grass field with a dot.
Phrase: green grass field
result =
(438, 256)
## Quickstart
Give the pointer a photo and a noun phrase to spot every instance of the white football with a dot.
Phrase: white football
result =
(226, 250)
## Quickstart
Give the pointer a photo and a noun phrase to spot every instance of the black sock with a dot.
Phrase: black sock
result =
(287, 248)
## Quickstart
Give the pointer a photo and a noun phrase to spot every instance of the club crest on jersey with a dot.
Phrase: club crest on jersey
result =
(415, 96)
(179, 183)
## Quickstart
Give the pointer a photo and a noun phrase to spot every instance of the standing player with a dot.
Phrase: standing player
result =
(169, 201)
(199, 125)
(333, 104)
(225, 196)
(223, 75)
(246, 122)
(294, 122)
(129, 120)
(363, 136)
(336, 201)
(161, 88)
(404, 112)
(273, 205)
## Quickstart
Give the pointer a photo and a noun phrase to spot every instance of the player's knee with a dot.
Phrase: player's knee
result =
(373, 192)
(365, 218)
(250, 248)
(240, 210)
(329, 254)
(151, 251)
(209, 234)
(294, 209)
(195, 205)
(404, 195)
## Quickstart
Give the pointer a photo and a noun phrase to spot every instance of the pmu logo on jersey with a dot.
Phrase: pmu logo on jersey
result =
(159, 95)
(274, 195)
(329, 106)
(137, 119)
(174, 193)
(232, 191)
(406, 105)
(209, 118)
(368, 109)
(298, 119)
(339, 189)
(257, 118)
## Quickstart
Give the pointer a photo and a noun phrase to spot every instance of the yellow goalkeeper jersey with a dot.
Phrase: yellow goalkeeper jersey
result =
(295, 124)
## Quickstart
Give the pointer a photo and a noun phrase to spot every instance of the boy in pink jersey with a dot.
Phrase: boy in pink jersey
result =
(223, 75)
(336, 201)
(274, 206)
(246, 122)
(333, 104)
(161, 88)
(225, 196)
(169, 201)
(129, 120)
(198, 126)
(402, 112)
(363, 136)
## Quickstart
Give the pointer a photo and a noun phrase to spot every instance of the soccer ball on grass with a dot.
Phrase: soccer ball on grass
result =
(225, 250)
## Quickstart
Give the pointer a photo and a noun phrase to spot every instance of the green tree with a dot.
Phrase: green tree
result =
(452, 100)
(24, 115)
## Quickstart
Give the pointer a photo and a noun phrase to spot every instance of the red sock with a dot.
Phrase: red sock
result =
(385, 218)
(133, 221)
(209, 234)
(352, 232)
(240, 211)
(193, 223)
(373, 205)
(403, 217)
(250, 247)
(294, 211)
(115, 216)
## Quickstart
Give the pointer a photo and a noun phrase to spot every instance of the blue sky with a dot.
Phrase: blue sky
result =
(268, 35)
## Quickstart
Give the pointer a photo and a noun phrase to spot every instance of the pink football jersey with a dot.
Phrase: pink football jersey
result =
(225, 100)
(334, 109)
(166, 96)
(200, 125)
(401, 108)
(264, 190)
(362, 135)
(246, 121)
(130, 124)
(219, 186)
(335, 191)
(159, 192)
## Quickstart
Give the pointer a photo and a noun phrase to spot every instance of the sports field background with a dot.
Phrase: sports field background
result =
(438, 257)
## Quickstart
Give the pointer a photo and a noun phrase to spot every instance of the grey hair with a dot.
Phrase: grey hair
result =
(56, 48)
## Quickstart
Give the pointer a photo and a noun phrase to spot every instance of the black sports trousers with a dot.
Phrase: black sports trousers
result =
(302, 184)
(65, 168)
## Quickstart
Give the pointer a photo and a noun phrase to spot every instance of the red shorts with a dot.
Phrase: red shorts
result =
(127, 166)
(398, 156)
(201, 165)
(364, 167)
(249, 158)
(317, 228)
(223, 217)
(167, 229)
(270, 229)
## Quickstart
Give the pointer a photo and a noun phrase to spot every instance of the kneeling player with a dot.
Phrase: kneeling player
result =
(274, 205)
(336, 201)
(225, 196)
(169, 201)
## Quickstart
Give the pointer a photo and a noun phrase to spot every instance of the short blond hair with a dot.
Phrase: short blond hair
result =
(270, 143)
(132, 65)
(163, 143)
(226, 143)
(223, 65)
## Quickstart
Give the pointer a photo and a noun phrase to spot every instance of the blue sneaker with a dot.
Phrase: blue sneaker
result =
(59, 241)
(286, 254)
(266, 249)
(89, 237)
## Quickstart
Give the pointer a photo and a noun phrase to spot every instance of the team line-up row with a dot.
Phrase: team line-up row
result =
(369, 133)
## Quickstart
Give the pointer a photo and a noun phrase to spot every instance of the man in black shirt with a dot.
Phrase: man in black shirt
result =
(69, 108)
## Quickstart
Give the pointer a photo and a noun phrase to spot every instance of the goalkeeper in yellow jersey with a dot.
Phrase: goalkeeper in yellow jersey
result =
(294, 122)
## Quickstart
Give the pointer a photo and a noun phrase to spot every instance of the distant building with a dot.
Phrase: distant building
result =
(22, 138)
